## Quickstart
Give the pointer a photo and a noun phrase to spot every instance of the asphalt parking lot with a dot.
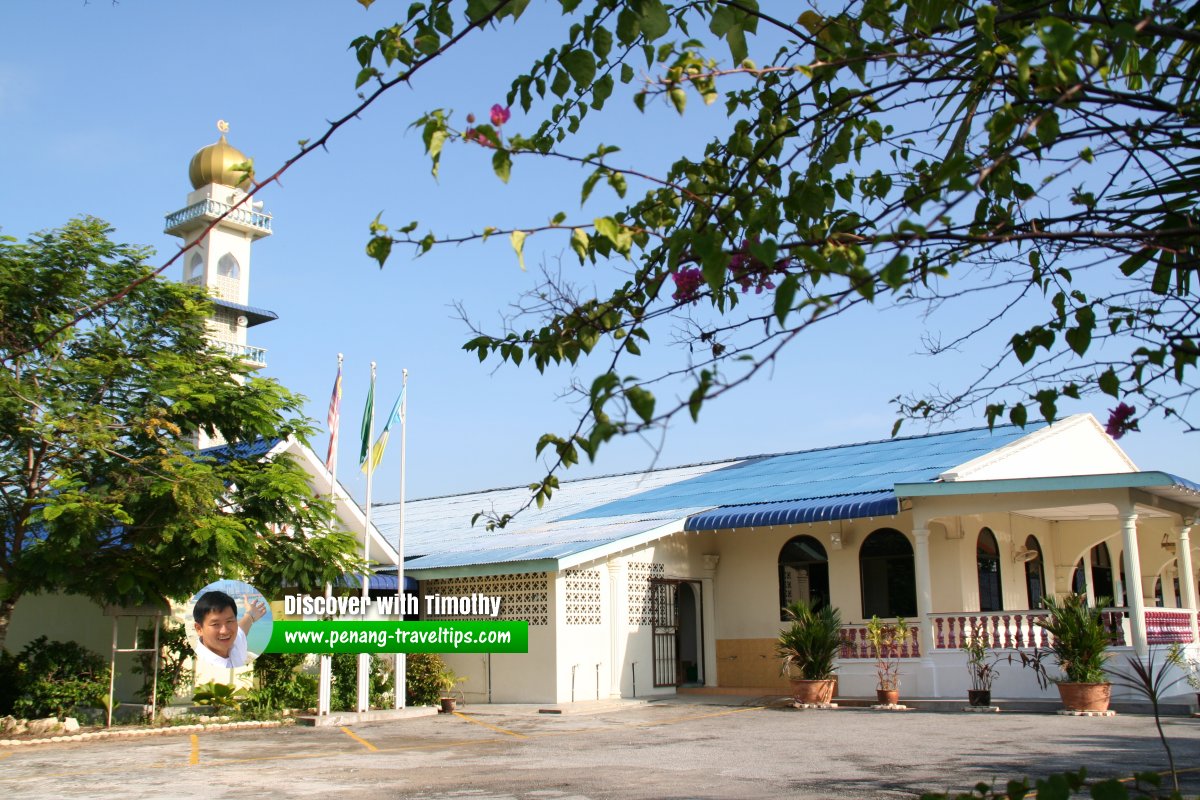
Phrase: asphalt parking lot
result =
(668, 749)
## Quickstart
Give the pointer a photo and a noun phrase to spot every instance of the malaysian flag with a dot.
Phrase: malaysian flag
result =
(335, 402)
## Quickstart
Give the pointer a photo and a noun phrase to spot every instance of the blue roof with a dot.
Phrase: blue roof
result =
(796, 512)
(256, 449)
(380, 582)
(829, 472)
(254, 316)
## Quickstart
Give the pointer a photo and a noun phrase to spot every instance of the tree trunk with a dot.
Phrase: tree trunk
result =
(6, 611)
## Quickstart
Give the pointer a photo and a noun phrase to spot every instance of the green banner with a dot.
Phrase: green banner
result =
(450, 636)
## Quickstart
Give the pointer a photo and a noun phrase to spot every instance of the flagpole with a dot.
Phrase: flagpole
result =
(364, 659)
(401, 673)
(325, 678)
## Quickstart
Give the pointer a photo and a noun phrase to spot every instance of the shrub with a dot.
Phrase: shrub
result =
(219, 696)
(281, 683)
(427, 679)
(55, 677)
(345, 682)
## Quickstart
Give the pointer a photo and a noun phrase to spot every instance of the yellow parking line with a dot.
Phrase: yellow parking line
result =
(673, 720)
(5, 755)
(506, 731)
(194, 758)
(359, 739)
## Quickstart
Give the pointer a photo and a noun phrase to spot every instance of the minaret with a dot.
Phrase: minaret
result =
(221, 262)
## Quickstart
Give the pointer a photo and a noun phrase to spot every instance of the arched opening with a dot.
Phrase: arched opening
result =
(195, 266)
(987, 565)
(888, 575)
(228, 267)
(691, 662)
(1102, 575)
(1035, 574)
(803, 573)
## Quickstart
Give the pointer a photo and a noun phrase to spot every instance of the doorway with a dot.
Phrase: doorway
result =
(677, 631)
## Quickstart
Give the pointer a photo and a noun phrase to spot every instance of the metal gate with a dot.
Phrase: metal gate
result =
(664, 616)
(665, 621)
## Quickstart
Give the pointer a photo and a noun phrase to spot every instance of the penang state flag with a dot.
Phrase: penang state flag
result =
(334, 419)
(397, 416)
(368, 421)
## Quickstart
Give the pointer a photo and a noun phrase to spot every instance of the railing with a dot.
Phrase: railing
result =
(255, 355)
(1168, 626)
(855, 644)
(1019, 629)
(215, 208)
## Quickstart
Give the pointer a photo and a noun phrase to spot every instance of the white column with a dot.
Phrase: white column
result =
(924, 590)
(1187, 578)
(1089, 583)
(1133, 574)
(709, 618)
(617, 625)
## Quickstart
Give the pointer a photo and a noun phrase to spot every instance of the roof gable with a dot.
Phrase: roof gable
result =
(1076, 445)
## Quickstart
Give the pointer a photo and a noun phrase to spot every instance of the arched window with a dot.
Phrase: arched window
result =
(195, 267)
(1102, 575)
(228, 267)
(1035, 574)
(803, 573)
(888, 575)
(987, 564)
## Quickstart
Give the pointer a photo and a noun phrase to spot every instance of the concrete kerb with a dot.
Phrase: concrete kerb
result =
(340, 718)
(139, 733)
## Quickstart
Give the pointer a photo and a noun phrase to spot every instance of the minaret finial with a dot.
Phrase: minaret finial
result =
(222, 126)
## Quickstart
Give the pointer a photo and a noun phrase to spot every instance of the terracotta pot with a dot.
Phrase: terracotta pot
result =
(979, 697)
(888, 697)
(812, 692)
(448, 704)
(1085, 696)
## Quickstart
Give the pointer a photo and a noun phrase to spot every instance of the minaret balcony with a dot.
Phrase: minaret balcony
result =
(254, 356)
(201, 214)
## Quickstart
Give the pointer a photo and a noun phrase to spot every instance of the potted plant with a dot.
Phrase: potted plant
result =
(1080, 648)
(886, 639)
(981, 666)
(446, 681)
(808, 648)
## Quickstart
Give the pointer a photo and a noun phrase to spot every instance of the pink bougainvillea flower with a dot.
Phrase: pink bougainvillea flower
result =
(687, 284)
(1121, 421)
(500, 114)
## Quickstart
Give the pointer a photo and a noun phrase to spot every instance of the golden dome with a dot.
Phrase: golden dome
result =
(214, 164)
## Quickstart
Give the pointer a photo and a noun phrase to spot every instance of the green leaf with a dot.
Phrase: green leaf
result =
(608, 228)
(785, 296)
(502, 164)
(678, 98)
(1018, 415)
(1109, 383)
(641, 401)
(653, 19)
(379, 248)
(581, 64)
(518, 244)
(579, 243)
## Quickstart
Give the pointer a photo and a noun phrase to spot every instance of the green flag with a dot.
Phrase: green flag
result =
(368, 421)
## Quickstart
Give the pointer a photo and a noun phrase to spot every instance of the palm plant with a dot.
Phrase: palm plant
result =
(810, 644)
(1080, 638)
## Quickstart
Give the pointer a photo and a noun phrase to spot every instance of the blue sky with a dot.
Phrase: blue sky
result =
(103, 105)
